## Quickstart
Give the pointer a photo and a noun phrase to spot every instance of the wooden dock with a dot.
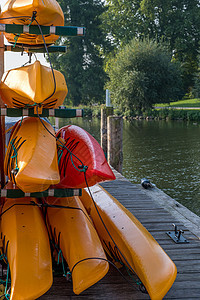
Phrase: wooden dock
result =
(156, 211)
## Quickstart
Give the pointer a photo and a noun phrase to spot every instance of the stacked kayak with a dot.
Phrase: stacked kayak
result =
(129, 242)
(74, 235)
(78, 240)
(34, 12)
(32, 85)
(78, 151)
(31, 160)
(31, 157)
(31, 163)
(26, 245)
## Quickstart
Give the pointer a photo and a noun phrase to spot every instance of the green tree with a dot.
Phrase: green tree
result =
(82, 65)
(174, 21)
(195, 92)
(142, 74)
(121, 20)
(178, 22)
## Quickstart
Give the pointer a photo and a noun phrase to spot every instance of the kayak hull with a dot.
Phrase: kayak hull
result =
(27, 249)
(31, 85)
(31, 157)
(48, 13)
(138, 249)
(78, 241)
(85, 150)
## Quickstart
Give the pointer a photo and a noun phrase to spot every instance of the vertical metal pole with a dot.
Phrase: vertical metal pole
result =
(2, 119)
(105, 112)
(108, 98)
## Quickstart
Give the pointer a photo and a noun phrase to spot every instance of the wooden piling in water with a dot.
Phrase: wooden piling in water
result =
(105, 112)
(114, 141)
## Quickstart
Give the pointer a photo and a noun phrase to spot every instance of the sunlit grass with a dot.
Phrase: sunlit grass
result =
(182, 103)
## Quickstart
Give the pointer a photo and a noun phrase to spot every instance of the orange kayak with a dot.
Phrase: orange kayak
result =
(137, 249)
(31, 157)
(31, 85)
(27, 248)
(47, 12)
(77, 238)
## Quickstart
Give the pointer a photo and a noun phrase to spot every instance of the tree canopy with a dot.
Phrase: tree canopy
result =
(110, 26)
(142, 74)
(82, 65)
(174, 21)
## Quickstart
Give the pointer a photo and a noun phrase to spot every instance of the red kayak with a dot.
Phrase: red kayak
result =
(81, 159)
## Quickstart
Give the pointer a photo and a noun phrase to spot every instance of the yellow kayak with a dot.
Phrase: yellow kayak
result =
(140, 250)
(26, 245)
(46, 12)
(78, 241)
(31, 85)
(31, 157)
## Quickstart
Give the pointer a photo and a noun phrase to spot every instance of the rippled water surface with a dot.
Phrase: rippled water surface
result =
(167, 153)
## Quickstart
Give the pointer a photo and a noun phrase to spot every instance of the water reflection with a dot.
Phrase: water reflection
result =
(167, 153)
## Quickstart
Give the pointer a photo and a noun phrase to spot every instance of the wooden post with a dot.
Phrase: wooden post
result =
(105, 112)
(2, 119)
(115, 136)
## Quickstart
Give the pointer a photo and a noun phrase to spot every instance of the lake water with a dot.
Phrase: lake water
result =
(167, 153)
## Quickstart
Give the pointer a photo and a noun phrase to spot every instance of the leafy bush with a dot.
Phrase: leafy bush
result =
(174, 114)
(196, 88)
(141, 73)
(179, 114)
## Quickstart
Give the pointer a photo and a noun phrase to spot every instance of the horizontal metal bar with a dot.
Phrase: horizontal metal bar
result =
(58, 113)
(51, 49)
(34, 29)
(60, 193)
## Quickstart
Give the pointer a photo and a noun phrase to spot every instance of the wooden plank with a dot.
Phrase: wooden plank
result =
(166, 244)
(181, 294)
(99, 291)
(191, 255)
(158, 218)
(187, 277)
(187, 266)
(156, 226)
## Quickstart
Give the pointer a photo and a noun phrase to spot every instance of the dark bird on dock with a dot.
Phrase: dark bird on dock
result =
(146, 183)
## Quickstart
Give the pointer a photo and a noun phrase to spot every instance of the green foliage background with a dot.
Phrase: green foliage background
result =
(141, 73)
(82, 65)
(174, 21)
(110, 26)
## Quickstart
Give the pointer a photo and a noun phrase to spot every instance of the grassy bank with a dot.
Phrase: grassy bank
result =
(190, 103)
(171, 111)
